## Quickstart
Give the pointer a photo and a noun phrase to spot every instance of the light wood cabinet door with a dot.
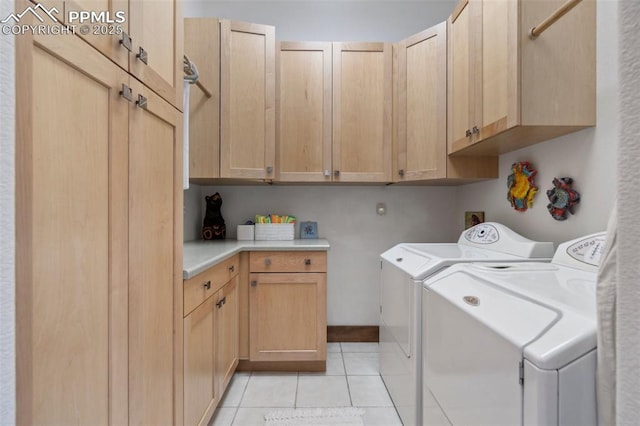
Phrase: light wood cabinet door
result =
(227, 333)
(108, 26)
(362, 104)
(200, 392)
(460, 86)
(156, 29)
(303, 134)
(247, 96)
(422, 100)
(497, 74)
(71, 234)
(295, 302)
(155, 248)
(202, 46)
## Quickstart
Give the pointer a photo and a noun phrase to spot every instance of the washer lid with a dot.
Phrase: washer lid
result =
(568, 292)
(517, 319)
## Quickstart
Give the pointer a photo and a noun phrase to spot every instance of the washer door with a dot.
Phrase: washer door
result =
(474, 335)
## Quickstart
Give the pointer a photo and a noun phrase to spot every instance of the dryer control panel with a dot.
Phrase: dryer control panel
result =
(484, 233)
(497, 237)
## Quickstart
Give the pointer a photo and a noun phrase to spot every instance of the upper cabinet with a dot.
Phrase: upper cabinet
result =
(303, 132)
(202, 46)
(156, 59)
(506, 90)
(362, 110)
(420, 115)
(142, 37)
(247, 96)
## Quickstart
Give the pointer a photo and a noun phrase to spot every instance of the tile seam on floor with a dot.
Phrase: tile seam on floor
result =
(346, 378)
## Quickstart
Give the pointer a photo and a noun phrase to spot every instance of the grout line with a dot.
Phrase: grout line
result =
(295, 399)
(347, 379)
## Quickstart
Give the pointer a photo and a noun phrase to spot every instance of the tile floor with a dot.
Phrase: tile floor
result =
(351, 380)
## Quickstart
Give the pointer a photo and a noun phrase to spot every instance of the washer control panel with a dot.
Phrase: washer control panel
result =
(482, 234)
(588, 250)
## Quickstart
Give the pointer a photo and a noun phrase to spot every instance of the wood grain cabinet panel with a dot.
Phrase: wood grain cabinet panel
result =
(202, 46)
(304, 88)
(507, 91)
(155, 247)
(200, 391)
(227, 334)
(362, 112)
(156, 29)
(247, 96)
(421, 112)
(295, 302)
(71, 234)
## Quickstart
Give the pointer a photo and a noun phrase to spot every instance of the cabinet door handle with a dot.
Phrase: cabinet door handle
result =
(269, 169)
(143, 55)
(468, 133)
(336, 173)
(141, 102)
(254, 283)
(126, 92)
(475, 129)
(224, 300)
(232, 268)
(267, 262)
(307, 261)
(125, 41)
(219, 304)
(207, 285)
(401, 172)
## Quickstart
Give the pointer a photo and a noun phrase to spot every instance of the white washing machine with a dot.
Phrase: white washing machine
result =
(404, 268)
(513, 344)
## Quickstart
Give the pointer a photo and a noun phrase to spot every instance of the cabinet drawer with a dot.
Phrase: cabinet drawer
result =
(205, 284)
(286, 261)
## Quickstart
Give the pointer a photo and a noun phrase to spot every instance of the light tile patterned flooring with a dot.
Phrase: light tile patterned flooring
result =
(351, 380)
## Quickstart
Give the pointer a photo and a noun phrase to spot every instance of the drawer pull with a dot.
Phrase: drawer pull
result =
(219, 304)
(254, 283)
(232, 268)
(224, 300)
(307, 261)
(207, 285)
(267, 262)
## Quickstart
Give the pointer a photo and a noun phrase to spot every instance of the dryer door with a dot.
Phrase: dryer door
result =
(474, 335)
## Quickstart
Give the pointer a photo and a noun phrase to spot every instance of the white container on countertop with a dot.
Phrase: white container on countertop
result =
(274, 231)
(245, 232)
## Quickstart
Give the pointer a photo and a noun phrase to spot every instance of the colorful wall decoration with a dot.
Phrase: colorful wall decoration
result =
(521, 184)
(562, 198)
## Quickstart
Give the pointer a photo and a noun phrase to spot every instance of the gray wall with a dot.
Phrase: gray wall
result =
(331, 20)
(7, 228)
(588, 156)
(346, 216)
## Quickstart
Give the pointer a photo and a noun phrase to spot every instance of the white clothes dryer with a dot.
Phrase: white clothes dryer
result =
(404, 267)
(513, 343)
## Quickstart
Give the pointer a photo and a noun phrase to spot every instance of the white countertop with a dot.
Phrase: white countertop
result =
(200, 255)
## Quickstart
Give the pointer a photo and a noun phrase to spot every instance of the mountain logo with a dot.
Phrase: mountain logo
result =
(34, 11)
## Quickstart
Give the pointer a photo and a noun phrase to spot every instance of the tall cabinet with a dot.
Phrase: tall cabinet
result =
(98, 241)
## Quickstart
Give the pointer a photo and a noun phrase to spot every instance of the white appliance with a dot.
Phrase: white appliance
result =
(513, 344)
(404, 268)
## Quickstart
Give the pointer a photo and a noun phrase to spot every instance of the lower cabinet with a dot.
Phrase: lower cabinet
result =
(210, 341)
(288, 306)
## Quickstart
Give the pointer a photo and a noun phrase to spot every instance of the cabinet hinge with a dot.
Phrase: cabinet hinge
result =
(521, 373)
